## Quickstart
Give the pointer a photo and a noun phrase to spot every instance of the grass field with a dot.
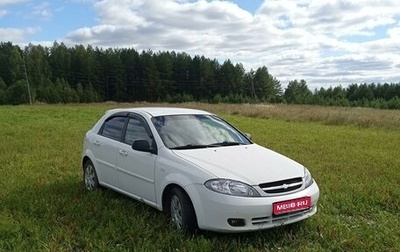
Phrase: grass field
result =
(353, 155)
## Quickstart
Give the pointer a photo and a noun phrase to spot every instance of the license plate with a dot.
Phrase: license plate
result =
(292, 205)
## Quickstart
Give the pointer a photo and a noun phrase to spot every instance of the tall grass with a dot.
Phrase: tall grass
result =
(361, 117)
(354, 158)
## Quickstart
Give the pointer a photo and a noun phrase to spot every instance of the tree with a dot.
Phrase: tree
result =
(249, 85)
(228, 80)
(297, 92)
(67, 94)
(180, 75)
(132, 73)
(207, 87)
(36, 59)
(164, 65)
(151, 78)
(90, 95)
(338, 93)
(46, 92)
(3, 94)
(352, 92)
(17, 93)
(60, 61)
(11, 62)
(266, 87)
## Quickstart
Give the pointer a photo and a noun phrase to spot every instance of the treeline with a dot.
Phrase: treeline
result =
(381, 96)
(61, 74)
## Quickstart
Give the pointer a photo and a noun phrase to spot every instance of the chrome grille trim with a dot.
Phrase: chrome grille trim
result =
(282, 186)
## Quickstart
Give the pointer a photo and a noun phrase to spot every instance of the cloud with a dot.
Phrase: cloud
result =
(4, 3)
(336, 18)
(16, 35)
(324, 42)
(394, 32)
(42, 11)
(196, 24)
(8, 2)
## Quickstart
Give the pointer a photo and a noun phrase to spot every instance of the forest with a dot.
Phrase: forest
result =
(83, 74)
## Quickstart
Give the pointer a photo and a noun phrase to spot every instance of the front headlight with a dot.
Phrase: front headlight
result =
(307, 178)
(231, 187)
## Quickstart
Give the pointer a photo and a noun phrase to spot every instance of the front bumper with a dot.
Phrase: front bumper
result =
(214, 209)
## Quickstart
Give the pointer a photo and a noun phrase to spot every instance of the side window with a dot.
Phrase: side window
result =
(136, 130)
(114, 127)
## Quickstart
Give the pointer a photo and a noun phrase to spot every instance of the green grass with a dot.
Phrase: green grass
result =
(44, 207)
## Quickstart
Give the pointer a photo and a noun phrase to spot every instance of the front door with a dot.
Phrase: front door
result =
(135, 169)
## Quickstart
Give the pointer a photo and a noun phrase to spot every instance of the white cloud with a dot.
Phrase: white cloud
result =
(196, 24)
(337, 18)
(394, 32)
(7, 2)
(324, 42)
(43, 11)
(4, 3)
(16, 35)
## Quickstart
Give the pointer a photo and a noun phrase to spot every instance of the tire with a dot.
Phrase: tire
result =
(90, 178)
(181, 211)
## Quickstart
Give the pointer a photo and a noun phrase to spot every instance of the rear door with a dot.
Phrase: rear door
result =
(104, 148)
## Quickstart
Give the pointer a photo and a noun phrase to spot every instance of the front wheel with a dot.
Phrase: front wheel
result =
(181, 211)
(90, 176)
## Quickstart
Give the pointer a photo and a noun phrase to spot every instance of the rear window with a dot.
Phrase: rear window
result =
(113, 128)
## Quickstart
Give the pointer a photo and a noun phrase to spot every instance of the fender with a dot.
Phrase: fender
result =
(173, 178)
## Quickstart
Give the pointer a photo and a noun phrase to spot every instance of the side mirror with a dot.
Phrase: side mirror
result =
(144, 146)
(248, 135)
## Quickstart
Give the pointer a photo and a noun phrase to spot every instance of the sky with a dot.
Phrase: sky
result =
(326, 43)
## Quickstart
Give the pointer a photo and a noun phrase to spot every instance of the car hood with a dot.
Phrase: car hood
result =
(252, 164)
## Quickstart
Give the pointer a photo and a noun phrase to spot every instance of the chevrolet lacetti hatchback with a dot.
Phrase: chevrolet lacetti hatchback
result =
(197, 168)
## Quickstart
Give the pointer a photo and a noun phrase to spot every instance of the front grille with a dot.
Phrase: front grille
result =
(282, 186)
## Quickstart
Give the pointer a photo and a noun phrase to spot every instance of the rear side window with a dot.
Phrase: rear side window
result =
(114, 127)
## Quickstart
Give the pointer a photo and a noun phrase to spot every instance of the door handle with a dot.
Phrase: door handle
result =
(97, 143)
(123, 153)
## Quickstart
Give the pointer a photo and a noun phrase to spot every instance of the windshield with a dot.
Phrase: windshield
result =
(196, 131)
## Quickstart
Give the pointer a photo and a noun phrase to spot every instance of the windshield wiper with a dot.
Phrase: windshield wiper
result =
(226, 143)
(192, 146)
(200, 146)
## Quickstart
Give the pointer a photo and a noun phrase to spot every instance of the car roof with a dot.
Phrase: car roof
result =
(160, 111)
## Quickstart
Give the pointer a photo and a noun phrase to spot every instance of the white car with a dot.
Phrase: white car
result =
(197, 168)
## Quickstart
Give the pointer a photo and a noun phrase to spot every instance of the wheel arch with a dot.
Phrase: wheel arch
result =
(191, 225)
(167, 192)
(84, 160)
(88, 155)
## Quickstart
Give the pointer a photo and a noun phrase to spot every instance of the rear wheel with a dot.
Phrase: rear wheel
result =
(90, 176)
(181, 211)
